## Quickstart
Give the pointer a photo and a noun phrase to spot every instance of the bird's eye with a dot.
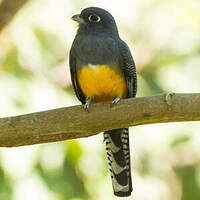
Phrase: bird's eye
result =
(94, 18)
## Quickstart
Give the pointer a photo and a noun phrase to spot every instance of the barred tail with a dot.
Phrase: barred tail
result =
(118, 153)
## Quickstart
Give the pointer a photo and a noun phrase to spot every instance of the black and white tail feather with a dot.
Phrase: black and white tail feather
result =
(118, 154)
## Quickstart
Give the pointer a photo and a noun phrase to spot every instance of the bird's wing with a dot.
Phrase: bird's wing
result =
(129, 69)
(72, 63)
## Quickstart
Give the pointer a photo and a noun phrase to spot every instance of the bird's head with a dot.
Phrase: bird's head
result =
(94, 19)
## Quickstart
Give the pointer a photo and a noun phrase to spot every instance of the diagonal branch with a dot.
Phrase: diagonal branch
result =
(75, 122)
(8, 9)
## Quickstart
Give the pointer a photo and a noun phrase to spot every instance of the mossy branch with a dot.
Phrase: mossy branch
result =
(74, 122)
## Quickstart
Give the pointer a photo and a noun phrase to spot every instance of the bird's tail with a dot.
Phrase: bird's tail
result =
(118, 153)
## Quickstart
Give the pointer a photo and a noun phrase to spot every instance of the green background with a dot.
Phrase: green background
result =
(164, 37)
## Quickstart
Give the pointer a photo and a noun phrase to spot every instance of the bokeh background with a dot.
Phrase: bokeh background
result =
(164, 37)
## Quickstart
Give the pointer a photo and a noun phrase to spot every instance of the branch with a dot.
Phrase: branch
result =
(8, 8)
(75, 122)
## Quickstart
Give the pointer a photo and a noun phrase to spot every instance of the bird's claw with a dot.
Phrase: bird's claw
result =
(87, 105)
(115, 101)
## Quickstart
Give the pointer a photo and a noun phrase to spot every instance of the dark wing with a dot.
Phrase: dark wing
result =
(129, 69)
(77, 89)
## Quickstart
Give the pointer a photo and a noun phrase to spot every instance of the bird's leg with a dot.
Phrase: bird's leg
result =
(87, 105)
(115, 101)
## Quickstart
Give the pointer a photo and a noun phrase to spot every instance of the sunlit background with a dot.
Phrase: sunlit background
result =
(164, 37)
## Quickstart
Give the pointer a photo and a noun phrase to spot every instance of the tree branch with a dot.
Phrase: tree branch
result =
(8, 8)
(75, 122)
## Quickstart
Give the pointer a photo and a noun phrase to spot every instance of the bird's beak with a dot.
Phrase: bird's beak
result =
(78, 19)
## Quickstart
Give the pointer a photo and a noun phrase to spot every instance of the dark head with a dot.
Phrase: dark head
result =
(94, 19)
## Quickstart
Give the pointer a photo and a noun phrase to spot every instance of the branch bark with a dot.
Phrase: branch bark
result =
(75, 122)
(8, 9)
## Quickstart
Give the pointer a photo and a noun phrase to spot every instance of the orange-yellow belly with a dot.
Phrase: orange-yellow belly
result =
(101, 83)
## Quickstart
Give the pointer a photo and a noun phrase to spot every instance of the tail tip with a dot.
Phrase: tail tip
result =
(123, 194)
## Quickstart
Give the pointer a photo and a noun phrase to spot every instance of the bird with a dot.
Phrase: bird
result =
(103, 70)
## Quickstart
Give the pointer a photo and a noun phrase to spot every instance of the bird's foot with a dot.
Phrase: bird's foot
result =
(115, 101)
(87, 105)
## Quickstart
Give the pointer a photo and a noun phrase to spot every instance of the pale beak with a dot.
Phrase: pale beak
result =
(78, 19)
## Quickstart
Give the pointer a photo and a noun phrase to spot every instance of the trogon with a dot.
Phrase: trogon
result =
(102, 69)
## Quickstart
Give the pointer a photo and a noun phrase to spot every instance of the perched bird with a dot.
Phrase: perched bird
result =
(102, 69)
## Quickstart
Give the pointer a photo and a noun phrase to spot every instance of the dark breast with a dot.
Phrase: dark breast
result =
(96, 49)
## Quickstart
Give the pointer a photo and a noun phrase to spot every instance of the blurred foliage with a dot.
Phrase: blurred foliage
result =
(34, 75)
(179, 140)
(190, 186)
(11, 65)
(52, 51)
(5, 186)
(66, 182)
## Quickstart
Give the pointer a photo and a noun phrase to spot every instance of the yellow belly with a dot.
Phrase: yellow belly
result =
(101, 83)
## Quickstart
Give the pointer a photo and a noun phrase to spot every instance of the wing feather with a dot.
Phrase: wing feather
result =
(129, 69)
(77, 89)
